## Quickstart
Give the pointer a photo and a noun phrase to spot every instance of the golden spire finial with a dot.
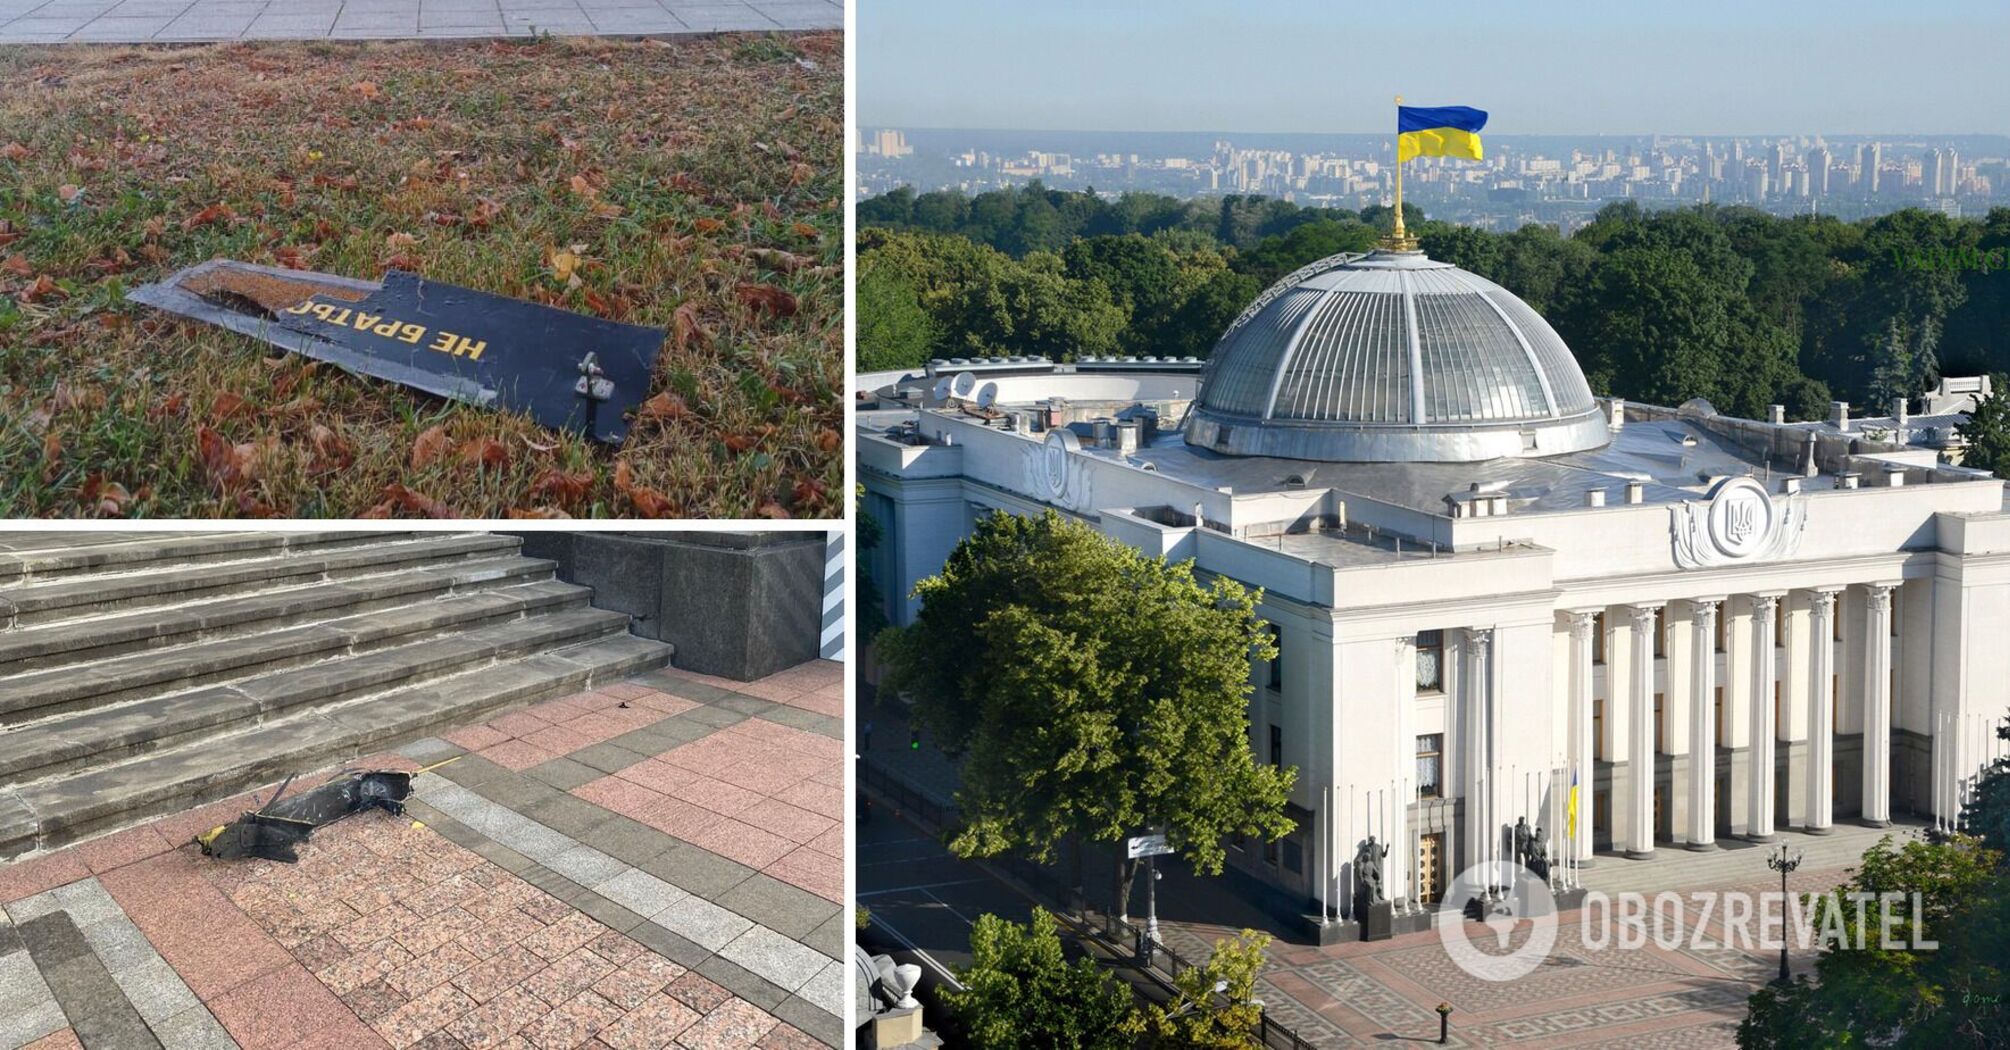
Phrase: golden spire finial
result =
(1399, 239)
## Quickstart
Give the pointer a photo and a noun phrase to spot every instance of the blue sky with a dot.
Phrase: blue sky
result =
(1687, 66)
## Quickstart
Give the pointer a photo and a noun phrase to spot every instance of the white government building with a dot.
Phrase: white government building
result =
(1486, 582)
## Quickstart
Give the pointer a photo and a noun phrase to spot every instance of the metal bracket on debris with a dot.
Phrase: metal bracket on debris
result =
(593, 382)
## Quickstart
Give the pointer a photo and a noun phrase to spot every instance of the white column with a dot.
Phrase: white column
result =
(1760, 778)
(1478, 745)
(1401, 852)
(1821, 718)
(1640, 726)
(1703, 723)
(1877, 704)
(1582, 746)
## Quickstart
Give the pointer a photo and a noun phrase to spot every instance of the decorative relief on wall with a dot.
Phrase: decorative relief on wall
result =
(1740, 522)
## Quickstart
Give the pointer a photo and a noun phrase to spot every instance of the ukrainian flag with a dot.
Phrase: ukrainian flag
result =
(1438, 131)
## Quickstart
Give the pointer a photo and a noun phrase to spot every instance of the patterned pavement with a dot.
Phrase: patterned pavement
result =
(191, 21)
(512, 911)
(1365, 994)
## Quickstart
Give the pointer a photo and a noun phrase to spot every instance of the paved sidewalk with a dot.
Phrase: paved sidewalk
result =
(189, 21)
(511, 911)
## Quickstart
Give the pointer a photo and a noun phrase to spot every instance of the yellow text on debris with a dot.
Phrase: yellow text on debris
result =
(390, 327)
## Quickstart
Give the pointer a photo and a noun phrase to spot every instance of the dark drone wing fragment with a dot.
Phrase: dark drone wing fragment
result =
(566, 370)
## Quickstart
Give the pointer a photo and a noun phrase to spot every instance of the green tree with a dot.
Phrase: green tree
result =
(1212, 1005)
(894, 331)
(1950, 996)
(1987, 431)
(1021, 993)
(1092, 691)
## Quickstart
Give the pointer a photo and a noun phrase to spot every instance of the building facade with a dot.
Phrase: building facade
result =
(1489, 586)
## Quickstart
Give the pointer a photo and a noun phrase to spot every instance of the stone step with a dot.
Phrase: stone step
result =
(96, 594)
(75, 641)
(70, 742)
(57, 811)
(72, 686)
(42, 556)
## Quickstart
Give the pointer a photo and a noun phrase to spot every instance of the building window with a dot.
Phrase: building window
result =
(1661, 632)
(1721, 740)
(1780, 623)
(1835, 621)
(1276, 662)
(1720, 630)
(1598, 730)
(1294, 856)
(1270, 853)
(1598, 638)
(1431, 765)
(1276, 746)
(1430, 661)
(1660, 725)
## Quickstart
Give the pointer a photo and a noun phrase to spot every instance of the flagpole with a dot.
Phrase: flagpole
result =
(1399, 238)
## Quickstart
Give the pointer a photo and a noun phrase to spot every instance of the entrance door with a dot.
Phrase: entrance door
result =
(1431, 866)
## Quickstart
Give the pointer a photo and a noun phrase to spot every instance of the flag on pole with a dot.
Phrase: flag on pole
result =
(1572, 822)
(1439, 131)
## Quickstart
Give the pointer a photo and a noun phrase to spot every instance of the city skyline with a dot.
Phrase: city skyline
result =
(1568, 69)
(1555, 179)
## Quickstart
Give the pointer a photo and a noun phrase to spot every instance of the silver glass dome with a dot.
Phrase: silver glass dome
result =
(1391, 357)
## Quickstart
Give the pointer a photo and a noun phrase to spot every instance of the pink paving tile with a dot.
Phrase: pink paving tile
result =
(560, 740)
(423, 1016)
(600, 725)
(474, 738)
(518, 723)
(825, 800)
(665, 703)
(680, 818)
(495, 1021)
(830, 843)
(29, 877)
(625, 690)
(573, 1023)
(516, 755)
(766, 775)
(181, 828)
(811, 870)
(354, 1035)
(122, 848)
(718, 796)
(568, 976)
(788, 1037)
(63, 1039)
(597, 701)
(650, 1025)
(698, 993)
(745, 843)
(768, 690)
(658, 775)
(506, 969)
(214, 946)
(735, 1023)
(828, 706)
(796, 825)
(556, 711)
(618, 796)
(275, 1010)
(389, 760)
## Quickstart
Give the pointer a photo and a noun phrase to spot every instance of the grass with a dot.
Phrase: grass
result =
(693, 185)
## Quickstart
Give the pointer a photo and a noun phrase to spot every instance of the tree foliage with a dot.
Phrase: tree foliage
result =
(1735, 305)
(1956, 994)
(1987, 431)
(1091, 690)
(1198, 1016)
(1021, 993)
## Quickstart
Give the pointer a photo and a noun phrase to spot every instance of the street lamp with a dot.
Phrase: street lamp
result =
(1785, 866)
